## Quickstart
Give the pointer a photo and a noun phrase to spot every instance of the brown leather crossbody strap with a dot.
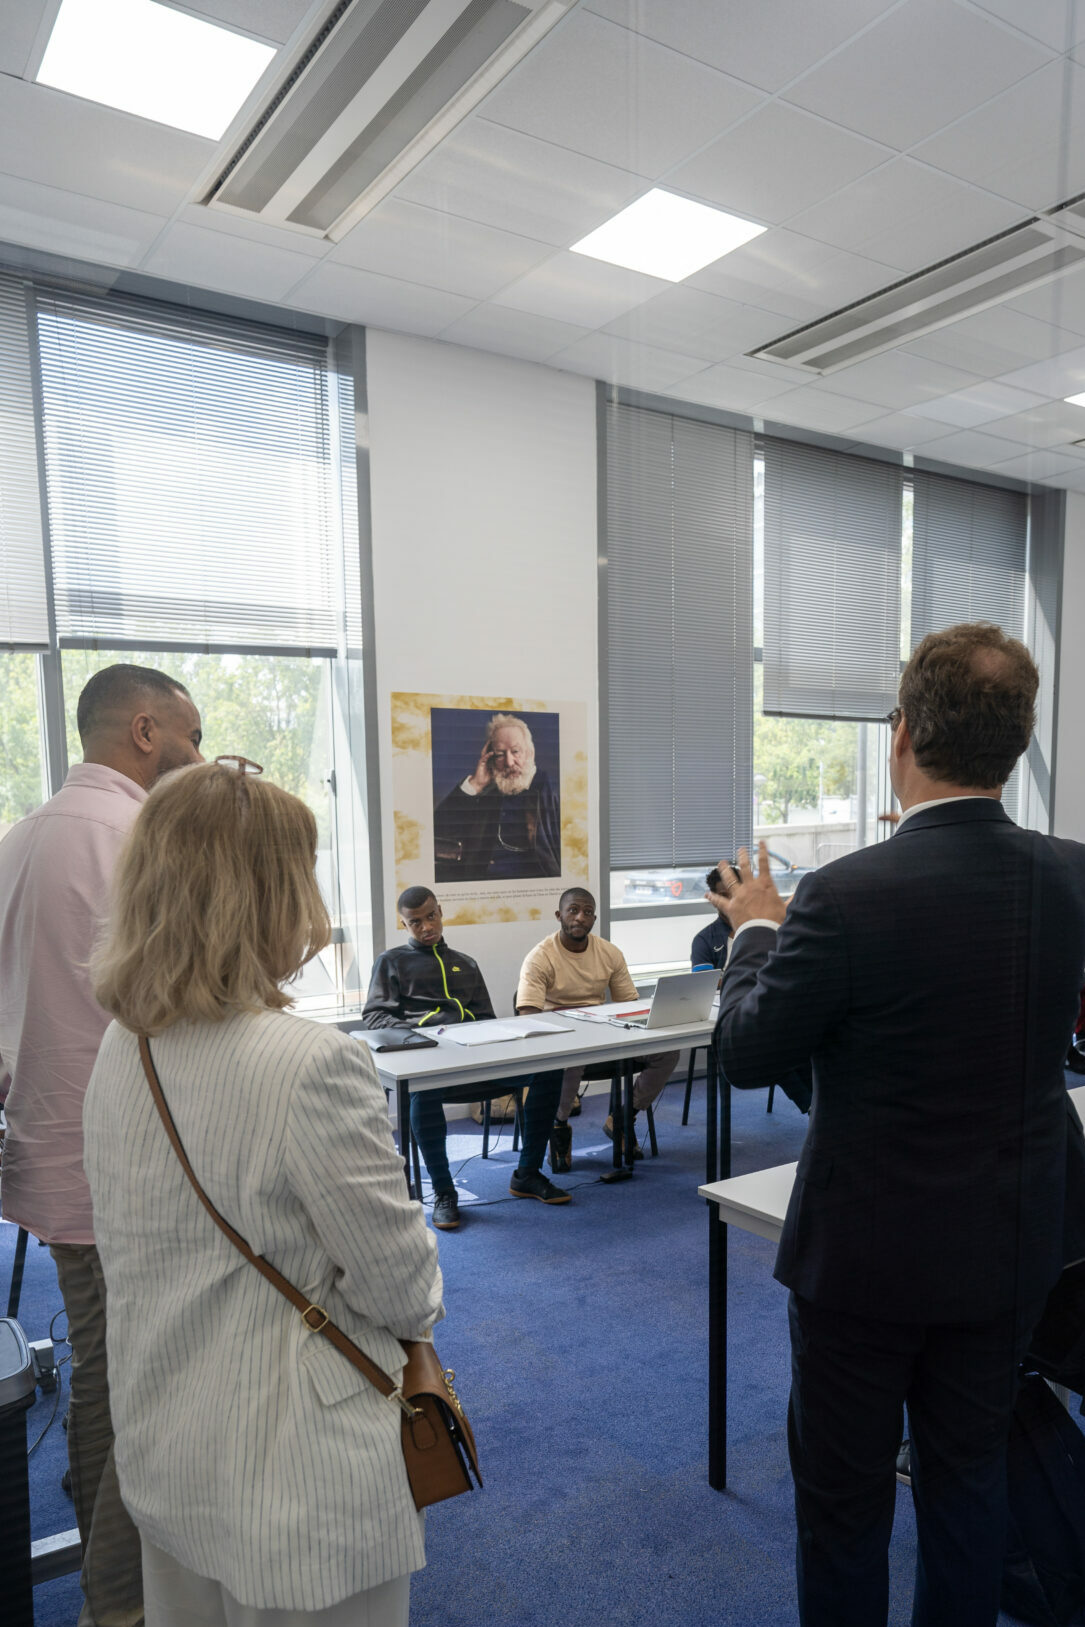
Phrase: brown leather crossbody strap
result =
(314, 1316)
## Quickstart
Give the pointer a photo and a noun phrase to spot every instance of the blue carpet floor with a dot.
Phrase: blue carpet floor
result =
(578, 1336)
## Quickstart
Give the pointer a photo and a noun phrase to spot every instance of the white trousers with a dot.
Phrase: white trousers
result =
(176, 1597)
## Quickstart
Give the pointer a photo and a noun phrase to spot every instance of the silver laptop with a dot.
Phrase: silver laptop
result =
(685, 997)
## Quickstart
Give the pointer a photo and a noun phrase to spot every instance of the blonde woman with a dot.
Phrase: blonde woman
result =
(264, 1473)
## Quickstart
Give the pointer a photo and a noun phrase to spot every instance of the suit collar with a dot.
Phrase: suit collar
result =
(957, 811)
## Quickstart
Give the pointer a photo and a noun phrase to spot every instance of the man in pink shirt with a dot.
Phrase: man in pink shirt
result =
(56, 866)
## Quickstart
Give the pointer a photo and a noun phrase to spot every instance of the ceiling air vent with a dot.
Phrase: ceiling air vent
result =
(991, 272)
(382, 83)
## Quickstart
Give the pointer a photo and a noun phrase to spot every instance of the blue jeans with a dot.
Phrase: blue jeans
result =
(429, 1130)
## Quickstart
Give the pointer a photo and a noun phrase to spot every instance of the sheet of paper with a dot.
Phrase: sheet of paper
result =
(542, 1025)
(484, 1033)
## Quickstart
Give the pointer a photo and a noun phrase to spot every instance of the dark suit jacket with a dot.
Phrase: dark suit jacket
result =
(933, 983)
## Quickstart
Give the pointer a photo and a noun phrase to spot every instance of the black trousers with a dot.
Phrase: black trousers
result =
(850, 1378)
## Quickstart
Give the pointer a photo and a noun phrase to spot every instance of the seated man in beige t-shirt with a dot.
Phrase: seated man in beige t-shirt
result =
(572, 968)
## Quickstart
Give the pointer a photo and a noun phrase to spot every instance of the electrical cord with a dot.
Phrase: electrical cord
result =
(63, 1362)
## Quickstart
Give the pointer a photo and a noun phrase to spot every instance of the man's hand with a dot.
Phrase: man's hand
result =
(484, 774)
(754, 898)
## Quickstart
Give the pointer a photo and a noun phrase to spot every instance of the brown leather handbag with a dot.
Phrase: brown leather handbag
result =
(438, 1446)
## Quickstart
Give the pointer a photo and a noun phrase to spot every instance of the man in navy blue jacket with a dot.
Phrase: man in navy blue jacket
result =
(932, 981)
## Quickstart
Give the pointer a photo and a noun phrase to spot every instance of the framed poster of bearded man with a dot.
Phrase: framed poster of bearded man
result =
(496, 795)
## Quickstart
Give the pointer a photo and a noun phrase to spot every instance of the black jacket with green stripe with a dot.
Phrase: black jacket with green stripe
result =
(425, 984)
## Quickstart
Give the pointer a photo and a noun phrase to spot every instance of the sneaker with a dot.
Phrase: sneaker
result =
(535, 1185)
(904, 1463)
(561, 1148)
(576, 1108)
(608, 1131)
(446, 1211)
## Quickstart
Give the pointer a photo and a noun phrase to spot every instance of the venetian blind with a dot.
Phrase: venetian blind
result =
(189, 480)
(680, 637)
(24, 602)
(832, 583)
(968, 555)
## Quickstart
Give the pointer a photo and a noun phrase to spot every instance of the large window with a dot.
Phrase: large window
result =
(201, 513)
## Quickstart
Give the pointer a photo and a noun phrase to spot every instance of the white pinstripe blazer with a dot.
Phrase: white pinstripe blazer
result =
(246, 1446)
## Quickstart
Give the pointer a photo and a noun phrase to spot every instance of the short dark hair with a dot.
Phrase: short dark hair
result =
(117, 686)
(412, 898)
(968, 696)
(575, 892)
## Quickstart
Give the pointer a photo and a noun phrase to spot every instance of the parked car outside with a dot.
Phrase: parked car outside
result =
(688, 883)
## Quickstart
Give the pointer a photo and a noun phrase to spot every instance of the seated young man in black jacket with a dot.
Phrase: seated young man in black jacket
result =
(424, 983)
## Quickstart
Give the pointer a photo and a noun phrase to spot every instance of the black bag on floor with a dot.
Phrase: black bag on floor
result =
(1057, 1347)
(1043, 1578)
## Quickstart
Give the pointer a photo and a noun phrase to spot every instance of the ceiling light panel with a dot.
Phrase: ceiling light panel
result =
(150, 60)
(668, 236)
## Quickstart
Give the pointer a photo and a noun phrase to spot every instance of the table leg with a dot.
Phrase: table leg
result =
(717, 1350)
(628, 1127)
(720, 1085)
(711, 1101)
(403, 1114)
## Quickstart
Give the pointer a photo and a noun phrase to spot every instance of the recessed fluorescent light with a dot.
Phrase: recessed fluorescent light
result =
(1074, 400)
(667, 236)
(150, 60)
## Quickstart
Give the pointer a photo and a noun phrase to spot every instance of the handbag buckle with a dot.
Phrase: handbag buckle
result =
(399, 1399)
(320, 1312)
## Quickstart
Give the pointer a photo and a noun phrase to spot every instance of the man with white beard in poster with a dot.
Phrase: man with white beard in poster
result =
(502, 822)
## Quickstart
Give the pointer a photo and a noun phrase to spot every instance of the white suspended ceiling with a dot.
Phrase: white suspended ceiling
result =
(872, 137)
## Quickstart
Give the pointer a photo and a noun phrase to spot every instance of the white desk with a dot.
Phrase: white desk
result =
(755, 1203)
(449, 1066)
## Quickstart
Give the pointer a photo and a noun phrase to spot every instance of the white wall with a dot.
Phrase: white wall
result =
(483, 498)
(1070, 759)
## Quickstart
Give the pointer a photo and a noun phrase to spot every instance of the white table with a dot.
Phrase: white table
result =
(755, 1203)
(449, 1066)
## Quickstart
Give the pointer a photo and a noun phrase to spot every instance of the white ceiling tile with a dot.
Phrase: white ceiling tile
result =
(697, 324)
(1067, 482)
(576, 288)
(812, 408)
(895, 84)
(250, 229)
(19, 23)
(512, 333)
(349, 295)
(620, 361)
(401, 239)
(974, 449)
(212, 260)
(66, 223)
(80, 146)
(1040, 466)
(272, 20)
(1056, 425)
(901, 431)
(1058, 23)
(1027, 144)
(1059, 304)
(907, 215)
(897, 380)
(994, 341)
(766, 43)
(733, 388)
(607, 92)
(794, 275)
(502, 178)
(775, 163)
(1061, 376)
(980, 404)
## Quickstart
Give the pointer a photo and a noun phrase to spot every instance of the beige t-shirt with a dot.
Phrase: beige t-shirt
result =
(552, 976)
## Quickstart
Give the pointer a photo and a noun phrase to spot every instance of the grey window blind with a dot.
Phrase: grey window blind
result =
(969, 546)
(189, 479)
(832, 583)
(680, 638)
(24, 602)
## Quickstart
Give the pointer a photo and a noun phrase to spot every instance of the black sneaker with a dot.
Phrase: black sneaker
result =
(904, 1463)
(561, 1148)
(535, 1185)
(446, 1211)
(576, 1108)
(608, 1131)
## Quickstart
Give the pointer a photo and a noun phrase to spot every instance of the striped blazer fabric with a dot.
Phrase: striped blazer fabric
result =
(247, 1447)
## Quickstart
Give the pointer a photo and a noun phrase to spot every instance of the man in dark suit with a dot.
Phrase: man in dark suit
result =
(932, 981)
